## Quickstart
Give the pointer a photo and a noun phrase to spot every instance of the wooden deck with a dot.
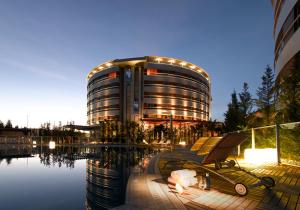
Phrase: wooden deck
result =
(285, 195)
(148, 189)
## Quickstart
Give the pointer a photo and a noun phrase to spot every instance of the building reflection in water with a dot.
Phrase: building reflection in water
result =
(107, 176)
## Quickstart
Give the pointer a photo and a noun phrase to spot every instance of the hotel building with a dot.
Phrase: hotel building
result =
(150, 90)
(286, 35)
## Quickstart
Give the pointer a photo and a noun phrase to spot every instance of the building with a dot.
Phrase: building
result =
(286, 35)
(149, 90)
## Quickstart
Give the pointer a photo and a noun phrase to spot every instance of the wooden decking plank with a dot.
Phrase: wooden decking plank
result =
(293, 201)
(222, 198)
(284, 200)
(282, 179)
(155, 188)
(172, 197)
(238, 201)
(227, 202)
(197, 206)
(269, 196)
(245, 203)
(275, 200)
(183, 200)
(288, 180)
(293, 181)
(252, 205)
(298, 182)
(204, 200)
(215, 199)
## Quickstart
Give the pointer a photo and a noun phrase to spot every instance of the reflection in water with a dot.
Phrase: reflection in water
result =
(107, 175)
(105, 185)
(106, 172)
(10, 151)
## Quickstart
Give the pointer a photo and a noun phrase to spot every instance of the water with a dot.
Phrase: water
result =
(60, 179)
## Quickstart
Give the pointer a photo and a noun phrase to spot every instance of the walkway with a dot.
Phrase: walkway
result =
(147, 190)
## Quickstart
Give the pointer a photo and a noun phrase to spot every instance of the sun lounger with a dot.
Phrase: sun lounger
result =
(217, 151)
(198, 144)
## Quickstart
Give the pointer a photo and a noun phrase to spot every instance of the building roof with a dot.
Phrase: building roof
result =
(154, 59)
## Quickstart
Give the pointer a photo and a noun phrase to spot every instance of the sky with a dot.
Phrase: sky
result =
(47, 48)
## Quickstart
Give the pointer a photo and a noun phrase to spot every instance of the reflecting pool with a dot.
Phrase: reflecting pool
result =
(65, 177)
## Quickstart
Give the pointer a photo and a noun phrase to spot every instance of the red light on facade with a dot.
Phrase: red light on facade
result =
(151, 71)
(112, 75)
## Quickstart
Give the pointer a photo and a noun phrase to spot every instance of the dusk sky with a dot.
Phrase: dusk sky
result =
(48, 47)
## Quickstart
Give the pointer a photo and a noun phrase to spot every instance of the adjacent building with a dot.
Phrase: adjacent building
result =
(150, 90)
(286, 35)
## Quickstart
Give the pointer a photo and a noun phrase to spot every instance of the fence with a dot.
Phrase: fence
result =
(277, 143)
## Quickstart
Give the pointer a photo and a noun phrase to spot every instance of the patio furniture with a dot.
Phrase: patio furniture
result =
(217, 151)
(198, 144)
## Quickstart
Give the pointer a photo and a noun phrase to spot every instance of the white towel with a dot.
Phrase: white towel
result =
(181, 174)
(187, 182)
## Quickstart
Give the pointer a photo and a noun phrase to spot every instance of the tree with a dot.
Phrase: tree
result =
(245, 104)
(289, 96)
(8, 124)
(233, 115)
(265, 93)
(211, 126)
(1, 124)
(199, 129)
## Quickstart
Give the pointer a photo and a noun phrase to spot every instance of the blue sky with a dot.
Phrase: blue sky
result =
(48, 47)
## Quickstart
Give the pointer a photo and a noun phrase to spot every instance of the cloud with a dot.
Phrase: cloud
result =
(34, 69)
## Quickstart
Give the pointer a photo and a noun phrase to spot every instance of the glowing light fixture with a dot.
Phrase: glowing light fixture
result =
(158, 59)
(192, 66)
(100, 67)
(183, 143)
(260, 156)
(51, 144)
(108, 64)
(145, 142)
(183, 63)
(33, 142)
(171, 61)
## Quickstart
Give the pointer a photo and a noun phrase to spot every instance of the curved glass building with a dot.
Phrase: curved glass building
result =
(286, 35)
(148, 89)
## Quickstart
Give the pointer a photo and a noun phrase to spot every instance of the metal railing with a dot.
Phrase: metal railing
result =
(285, 138)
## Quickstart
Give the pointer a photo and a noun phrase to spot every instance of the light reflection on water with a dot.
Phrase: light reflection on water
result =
(53, 179)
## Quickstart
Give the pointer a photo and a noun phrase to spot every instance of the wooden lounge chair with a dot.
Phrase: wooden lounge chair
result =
(217, 151)
(199, 143)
